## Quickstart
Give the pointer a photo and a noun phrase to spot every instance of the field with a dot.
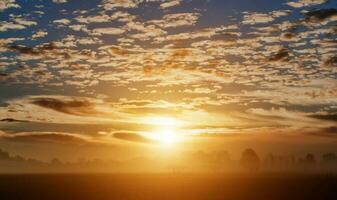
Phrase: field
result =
(168, 186)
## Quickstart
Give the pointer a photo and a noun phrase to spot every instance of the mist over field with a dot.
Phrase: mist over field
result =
(182, 162)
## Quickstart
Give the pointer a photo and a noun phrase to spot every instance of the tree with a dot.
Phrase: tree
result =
(56, 162)
(250, 160)
(4, 155)
(310, 158)
(329, 158)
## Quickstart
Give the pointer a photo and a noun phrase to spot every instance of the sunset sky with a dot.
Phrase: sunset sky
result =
(121, 78)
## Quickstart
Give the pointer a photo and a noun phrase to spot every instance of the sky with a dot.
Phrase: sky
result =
(120, 78)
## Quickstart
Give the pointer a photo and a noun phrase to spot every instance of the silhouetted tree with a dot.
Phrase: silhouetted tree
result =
(18, 158)
(310, 158)
(250, 160)
(329, 158)
(56, 162)
(4, 155)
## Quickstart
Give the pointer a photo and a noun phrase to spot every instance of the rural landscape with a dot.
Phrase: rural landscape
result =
(168, 99)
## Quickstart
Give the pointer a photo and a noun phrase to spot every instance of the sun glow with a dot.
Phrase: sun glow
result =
(167, 137)
(164, 121)
(166, 130)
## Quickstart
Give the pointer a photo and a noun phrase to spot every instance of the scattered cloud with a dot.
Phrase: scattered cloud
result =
(321, 15)
(63, 21)
(16, 23)
(259, 18)
(177, 20)
(112, 64)
(6, 4)
(112, 4)
(303, 3)
(39, 34)
(60, 1)
(170, 3)
(108, 31)
(282, 54)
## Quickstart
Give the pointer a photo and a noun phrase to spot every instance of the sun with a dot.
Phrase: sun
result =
(165, 130)
(167, 137)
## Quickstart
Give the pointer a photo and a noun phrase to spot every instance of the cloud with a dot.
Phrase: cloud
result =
(329, 132)
(107, 31)
(10, 26)
(3, 75)
(320, 15)
(63, 21)
(16, 23)
(132, 137)
(48, 137)
(112, 4)
(170, 3)
(60, 1)
(177, 20)
(116, 50)
(199, 34)
(6, 41)
(64, 110)
(282, 54)
(292, 120)
(39, 34)
(38, 50)
(331, 62)
(329, 117)
(70, 106)
(303, 3)
(261, 18)
(12, 120)
(6, 4)
(94, 19)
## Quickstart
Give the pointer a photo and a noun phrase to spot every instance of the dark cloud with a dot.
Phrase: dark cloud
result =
(73, 107)
(118, 51)
(132, 137)
(320, 15)
(24, 49)
(3, 76)
(282, 54)
(329, 132)
(47, 137)
(288, 36)
(329, 117)
(40, 50)
(332, 129)
(33, 50)
(331, 62)
(11, 120)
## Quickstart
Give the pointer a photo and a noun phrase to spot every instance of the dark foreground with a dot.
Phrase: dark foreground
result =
(168, 186)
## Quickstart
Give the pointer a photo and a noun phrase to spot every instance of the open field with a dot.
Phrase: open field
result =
(168, 186)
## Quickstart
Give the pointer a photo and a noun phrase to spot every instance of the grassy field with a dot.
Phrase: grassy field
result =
(168, 186)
